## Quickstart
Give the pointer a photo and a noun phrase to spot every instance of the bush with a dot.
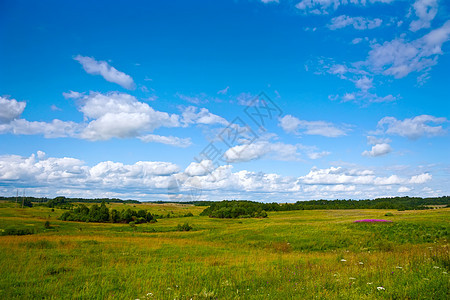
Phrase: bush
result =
(17, 231)
(388, 214)
(184, 227)
(47, 225)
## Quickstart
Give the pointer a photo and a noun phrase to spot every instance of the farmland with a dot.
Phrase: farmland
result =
(288, 255)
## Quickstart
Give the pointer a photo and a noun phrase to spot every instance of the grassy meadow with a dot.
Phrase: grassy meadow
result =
(289, 255)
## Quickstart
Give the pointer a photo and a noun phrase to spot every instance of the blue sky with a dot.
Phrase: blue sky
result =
(123, 99)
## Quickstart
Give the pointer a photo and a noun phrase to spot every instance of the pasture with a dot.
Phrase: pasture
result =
(289, 255)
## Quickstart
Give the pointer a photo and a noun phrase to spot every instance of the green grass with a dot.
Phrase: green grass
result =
(289, 255)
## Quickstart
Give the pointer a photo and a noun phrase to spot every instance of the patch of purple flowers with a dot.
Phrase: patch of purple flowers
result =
(371, 220)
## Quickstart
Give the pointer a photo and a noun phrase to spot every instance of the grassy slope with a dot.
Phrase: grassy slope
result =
(290, 255)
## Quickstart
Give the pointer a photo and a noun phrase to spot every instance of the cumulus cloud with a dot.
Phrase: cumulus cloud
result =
(378, 150)
(425, 11)
(155, 179)
(10, 109)
(380, 146)
(109, 73)
(339, 175)
(291, 124)
(121, 115)
(106, 116)
(359, 23)
(412, 128)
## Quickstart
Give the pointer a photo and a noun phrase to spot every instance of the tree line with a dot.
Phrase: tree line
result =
(243, 208)
(103, 214)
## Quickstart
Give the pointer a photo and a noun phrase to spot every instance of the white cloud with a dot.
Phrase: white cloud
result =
(53, 129)
(359, 23)
(339, 175)
(106, 116)
(168, 140)
(413, 128)
(378, 150)
(192, 115)
(399, 57)
(419, 179)
(109, 73)
(199, 169)
(270, 1)
(10, 109)
(121, 115)
(380, 146)
(291, 124)
(50, 176)
(403, 189)
(326, 6)
(72, 95)
(425, 10)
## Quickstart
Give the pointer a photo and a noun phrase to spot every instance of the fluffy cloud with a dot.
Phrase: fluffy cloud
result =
(10, 109)
(292, 124)
(109, 73)
(380, 146)
(413, 128)
(378, 150)
(425, 10)
(338, 175)
(358, 23)
(106, 116)
(155, 180)
(121, 115)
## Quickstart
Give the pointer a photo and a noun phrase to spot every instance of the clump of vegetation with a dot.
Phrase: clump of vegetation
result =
(184, 227)
(388, 214)
(235, 209)
(102, 214)
(17, 231)
(47, 225)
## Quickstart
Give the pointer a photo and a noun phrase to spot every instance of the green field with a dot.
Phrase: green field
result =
(289, 255)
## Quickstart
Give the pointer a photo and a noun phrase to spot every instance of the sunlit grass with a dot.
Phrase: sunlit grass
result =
(289, 255)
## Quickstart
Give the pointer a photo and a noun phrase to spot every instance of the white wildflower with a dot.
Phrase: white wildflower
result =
(343, 260)
(380, 288)
(361, 263)
(370, 283)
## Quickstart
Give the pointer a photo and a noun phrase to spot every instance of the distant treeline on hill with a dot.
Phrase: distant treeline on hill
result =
(400, 203)
(242, 208)
(63, 201)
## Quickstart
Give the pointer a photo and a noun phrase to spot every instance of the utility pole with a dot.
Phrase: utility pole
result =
(17, 196)
(23, 197)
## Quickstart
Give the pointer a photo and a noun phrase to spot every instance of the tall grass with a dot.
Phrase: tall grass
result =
(290, 255)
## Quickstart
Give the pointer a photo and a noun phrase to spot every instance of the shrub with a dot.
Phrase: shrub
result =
(388, 214)
(184, 227)
(17, 231)
(47, 225)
